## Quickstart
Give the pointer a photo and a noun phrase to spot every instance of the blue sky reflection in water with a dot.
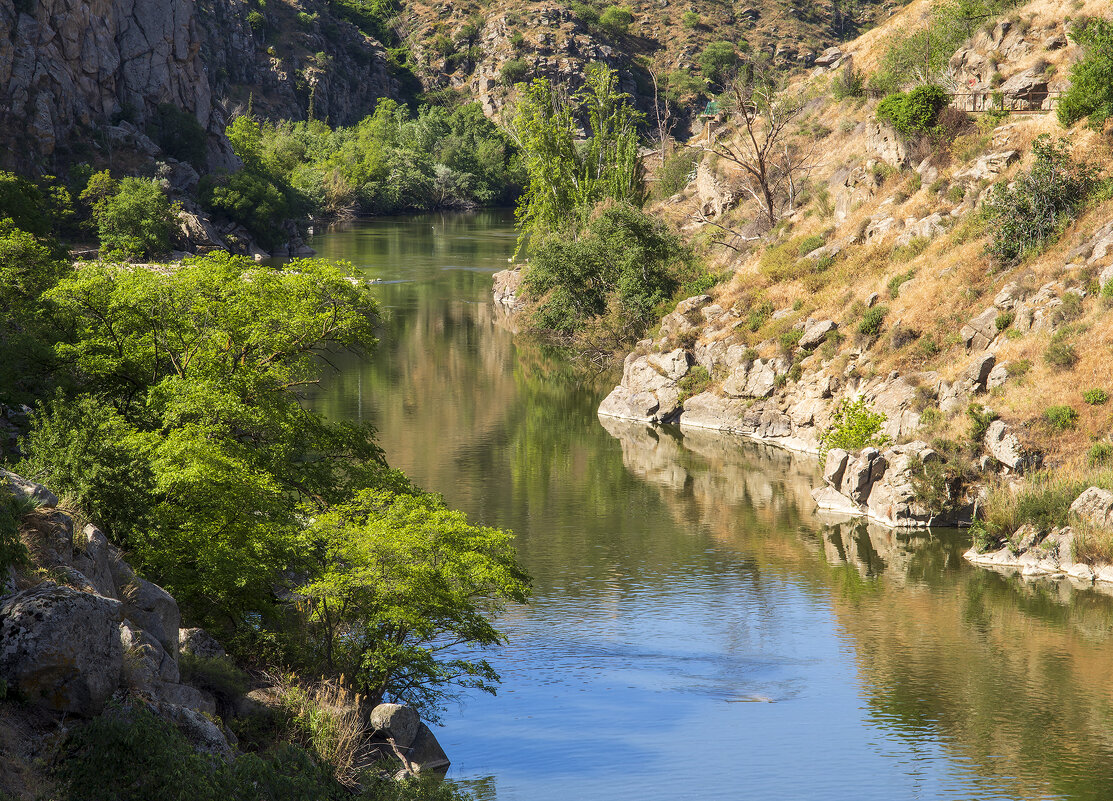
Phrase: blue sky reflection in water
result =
(697, 631)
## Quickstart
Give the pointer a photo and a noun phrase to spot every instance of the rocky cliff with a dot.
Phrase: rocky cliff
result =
(71, 71)
(80, 629)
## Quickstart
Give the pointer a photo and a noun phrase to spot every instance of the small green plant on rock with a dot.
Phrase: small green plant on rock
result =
(1004, 320)
(854, 426)
(980, 418)
(696, 381)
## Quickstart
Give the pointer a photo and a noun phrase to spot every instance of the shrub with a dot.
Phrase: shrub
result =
(178, 133)
(897, 281)
(1100, 453)
(1060, 353)
(717, 60)
(853, 426)
(676, 171)
(517, 40)
(219, 676)
(694, 382)
(870, 324)
(1060, 418)
(1003, 320)
(759, 315)
(1095, 397)
(251, 200)
(810, 243)
(257, 21)
(1018, 368)
(38, 207)
(135, 221)
(513, 71)
(690, 19)
(1091, 78)
(588, 14)
(956, 193)
(1034, 209)
(790, 338)
(980, 418)
(615, 19)
(913, 113)
(848, 83)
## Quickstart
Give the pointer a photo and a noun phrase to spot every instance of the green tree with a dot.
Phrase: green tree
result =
(204, 452)
(913, 113)
(38, 207)
(566, 178)
(625, 260)
(717, 60)
(1091, 88)
(400, 585)
(615, 19)
(135, 221)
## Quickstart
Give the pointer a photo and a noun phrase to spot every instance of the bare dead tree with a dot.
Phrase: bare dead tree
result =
(759, 141)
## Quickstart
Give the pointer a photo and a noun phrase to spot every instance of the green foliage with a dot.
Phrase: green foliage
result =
(1035, 208)
(568, 178)
(513, 71)
(981, 539)
(588, 14)
(128, 754)
(178, 133)
(1091, 78)
(134, 221)
(256, 20)
(1003, 320)
(853, 426)
(248, 198)
(980, 418)
(615, 19)
(1043, 501)
(682, 88)
(1060, 353)
(391, 161)
(848, 83)
(13, 553)
(39, 207)
(1060, 418)
(27, 269)
(187, 438)
(717, 60)
(676, 171)
(217, 675)
(1018, 368)
(625, 259)
(870, 324)
(1100, 453)
(809, 244)
(695, 381)
(690, 19)
(759, 315)
(400, 582)
(1096, 396)
(788, 339)
(920, 56)
(899, 280)
(913, 113)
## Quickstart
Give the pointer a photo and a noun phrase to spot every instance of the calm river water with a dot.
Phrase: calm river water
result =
(698, 632)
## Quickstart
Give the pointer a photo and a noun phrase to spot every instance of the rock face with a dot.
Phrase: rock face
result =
(68, 67)
(60, 647)
(506, 284)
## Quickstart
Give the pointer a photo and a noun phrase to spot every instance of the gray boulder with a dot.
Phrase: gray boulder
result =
(145, 660)
(1095, 506)
(153, 609)
(398, 722)
(816, 331)
(835, 466)
(60, 647)
(198, 642)
(426, 754)
(29, 490)
(1005, 447)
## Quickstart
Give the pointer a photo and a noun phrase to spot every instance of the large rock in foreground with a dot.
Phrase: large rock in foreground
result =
(60, 647)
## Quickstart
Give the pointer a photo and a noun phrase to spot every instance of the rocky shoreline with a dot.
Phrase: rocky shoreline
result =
(696, 374)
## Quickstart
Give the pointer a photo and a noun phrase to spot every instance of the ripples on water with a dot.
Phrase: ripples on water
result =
(697, 631)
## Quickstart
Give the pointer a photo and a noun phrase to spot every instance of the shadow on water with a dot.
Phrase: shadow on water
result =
(698, 631)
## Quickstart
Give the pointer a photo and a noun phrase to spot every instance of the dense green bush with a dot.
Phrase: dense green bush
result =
(716, 61)
(1033, 210)
(178, 133)
(513, 71)
(38, 207)
(853, 426)
(1060, 418)
(248, 198)
(870, 325)
(690, 19)
(135, 221)
(1096, 396)
(913, 113)
(615, 19)
(676, 171)
(1060, 353)
(1091, 78)
(625, 259)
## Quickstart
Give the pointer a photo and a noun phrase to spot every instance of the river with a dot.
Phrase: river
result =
(697, 630)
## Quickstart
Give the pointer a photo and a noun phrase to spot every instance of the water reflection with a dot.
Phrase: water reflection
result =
(698, 631)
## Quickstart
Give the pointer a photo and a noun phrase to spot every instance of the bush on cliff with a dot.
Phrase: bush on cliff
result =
(133, 217)
(913, 113)
(854, 426)
(1035, 208)
(1091, 78)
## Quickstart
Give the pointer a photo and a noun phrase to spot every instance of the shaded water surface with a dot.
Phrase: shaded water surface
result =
(697, 630)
